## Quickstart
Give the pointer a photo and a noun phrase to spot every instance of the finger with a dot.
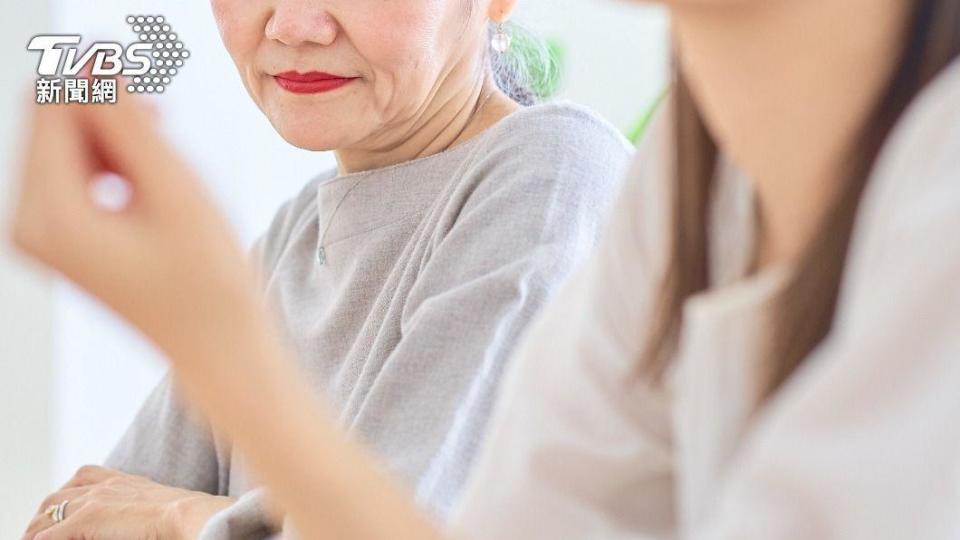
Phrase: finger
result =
(125, 139)
(84, 521)
(66, 530)
(42, 521)
(39, 523)
(63, 494)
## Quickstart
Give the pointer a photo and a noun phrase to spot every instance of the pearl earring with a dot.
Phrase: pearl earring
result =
(500, 41)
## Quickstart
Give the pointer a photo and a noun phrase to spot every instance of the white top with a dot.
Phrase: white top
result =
(862, 442)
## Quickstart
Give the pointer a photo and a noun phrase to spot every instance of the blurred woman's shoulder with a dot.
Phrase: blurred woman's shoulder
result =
(904, 257)
(914, 192)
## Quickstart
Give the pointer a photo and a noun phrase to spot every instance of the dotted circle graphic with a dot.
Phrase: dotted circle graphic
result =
(167, 51)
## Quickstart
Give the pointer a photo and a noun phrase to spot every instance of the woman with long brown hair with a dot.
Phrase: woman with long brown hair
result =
(766, 344)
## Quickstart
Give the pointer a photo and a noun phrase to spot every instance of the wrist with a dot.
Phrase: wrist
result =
(186, 517)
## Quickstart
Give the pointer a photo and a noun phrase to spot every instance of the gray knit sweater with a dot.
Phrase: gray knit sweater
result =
(432, 270)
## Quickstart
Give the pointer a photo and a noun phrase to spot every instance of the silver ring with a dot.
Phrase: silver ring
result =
(60, 513)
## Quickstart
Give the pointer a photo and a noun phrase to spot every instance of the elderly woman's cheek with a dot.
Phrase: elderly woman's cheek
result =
(407, 54)
(221, 14)
(234, 22)
(397, 32)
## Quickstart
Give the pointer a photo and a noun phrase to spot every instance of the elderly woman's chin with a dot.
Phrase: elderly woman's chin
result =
(312, 132)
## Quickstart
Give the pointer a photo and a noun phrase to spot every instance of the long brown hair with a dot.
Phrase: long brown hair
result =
(805, 310)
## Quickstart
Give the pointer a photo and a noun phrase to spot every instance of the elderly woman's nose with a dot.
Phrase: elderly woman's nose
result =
(295, 22)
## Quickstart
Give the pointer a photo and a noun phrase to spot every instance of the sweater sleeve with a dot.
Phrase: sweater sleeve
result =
(169, 444)
(521, 228)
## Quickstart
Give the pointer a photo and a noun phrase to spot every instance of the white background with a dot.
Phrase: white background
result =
(73, 375)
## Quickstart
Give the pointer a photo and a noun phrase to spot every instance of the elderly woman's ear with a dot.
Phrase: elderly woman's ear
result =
(500, 10)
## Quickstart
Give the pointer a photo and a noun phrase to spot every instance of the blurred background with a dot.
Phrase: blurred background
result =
(73, 375)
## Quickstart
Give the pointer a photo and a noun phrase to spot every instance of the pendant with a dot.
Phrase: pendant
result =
(322, 255)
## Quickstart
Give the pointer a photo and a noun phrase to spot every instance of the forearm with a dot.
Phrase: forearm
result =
(246, 383)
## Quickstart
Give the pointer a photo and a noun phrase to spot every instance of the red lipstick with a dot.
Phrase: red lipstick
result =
(313, 82)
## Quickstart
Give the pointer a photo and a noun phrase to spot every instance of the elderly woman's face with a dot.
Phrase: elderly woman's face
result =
(347, 73)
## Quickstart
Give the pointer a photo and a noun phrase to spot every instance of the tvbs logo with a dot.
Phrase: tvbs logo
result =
(150, 63)
(106, 56)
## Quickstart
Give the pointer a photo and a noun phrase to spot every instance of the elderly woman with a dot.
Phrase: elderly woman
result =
(402, 279)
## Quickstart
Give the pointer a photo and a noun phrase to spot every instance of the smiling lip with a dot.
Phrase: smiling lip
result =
(313, 82)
